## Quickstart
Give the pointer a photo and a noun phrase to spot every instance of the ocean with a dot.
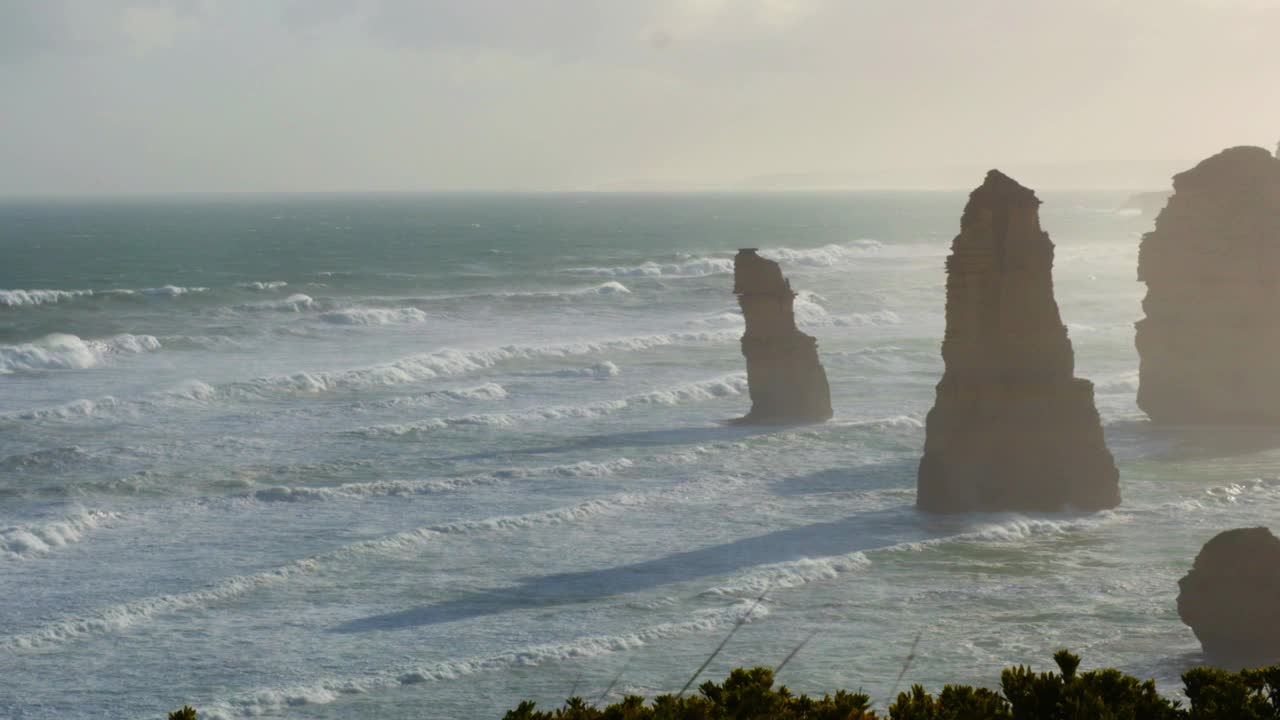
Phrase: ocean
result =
(427, 456)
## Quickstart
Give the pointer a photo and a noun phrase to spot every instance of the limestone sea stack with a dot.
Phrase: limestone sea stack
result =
(1209, 343)
(1012, 429)
(1231, 597)
(785, 379)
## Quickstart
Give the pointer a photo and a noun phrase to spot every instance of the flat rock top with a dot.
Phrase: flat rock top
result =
(1231, 170)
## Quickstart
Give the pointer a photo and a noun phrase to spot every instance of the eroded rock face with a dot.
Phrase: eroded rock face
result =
(1012, 428)
(1210, 341)
(787, 383)
(1231, 597)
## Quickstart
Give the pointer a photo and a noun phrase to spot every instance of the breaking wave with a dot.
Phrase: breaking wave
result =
(599, 371)
(295, 303)
(825, 256)
(259, 286)
(692, 392)
(694, 267)
(701, 266)
(20, 298)
(810, 312)
(123, 616)
(61, 351)
(17, 298)
(374, 316)
(421, 487)
(320, 692)
(441, 363)
(24, 542)
(53, 458)
(1017, 530)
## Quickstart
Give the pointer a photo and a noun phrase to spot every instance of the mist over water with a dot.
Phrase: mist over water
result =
(335, 457)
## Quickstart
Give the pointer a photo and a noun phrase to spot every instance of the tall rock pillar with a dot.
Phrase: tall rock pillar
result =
(1012, 428)
(1210, 342)
(787, 383)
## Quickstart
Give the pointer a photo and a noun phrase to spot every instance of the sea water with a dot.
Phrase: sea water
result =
(427, 456)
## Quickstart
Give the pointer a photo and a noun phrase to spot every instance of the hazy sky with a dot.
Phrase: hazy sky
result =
(124, 96)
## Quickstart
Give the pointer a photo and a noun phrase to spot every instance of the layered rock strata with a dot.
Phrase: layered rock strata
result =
(787, 382)
(1012, 429)
(1231, 597)
(1209, 345)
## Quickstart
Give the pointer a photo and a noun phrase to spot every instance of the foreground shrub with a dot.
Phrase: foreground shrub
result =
(1067, 694)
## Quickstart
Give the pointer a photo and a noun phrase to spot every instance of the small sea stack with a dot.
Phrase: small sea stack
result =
(1231, 597)
(786, 381)
(1012, 429)
(1209, 343)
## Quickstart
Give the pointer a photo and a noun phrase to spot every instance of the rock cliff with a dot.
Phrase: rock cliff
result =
(1012, 429)
(787, 383)
(1210, 341)
(1231, 597)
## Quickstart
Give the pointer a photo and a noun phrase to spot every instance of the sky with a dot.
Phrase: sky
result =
(160, 96)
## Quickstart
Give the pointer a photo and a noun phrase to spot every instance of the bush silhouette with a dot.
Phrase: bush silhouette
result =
(1068, 694)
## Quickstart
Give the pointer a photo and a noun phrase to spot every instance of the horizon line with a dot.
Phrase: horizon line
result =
(179, 194)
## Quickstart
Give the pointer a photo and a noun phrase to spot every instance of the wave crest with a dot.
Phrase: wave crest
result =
(24, 542)
(61, 351)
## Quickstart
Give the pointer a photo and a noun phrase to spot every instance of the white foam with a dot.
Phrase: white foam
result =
(123, 616)
(24, 542)
(374, 316)
(52, 458)
(1018, 530)
(295, 303)
(613, 287)
(893, 422)
(792, 573)
(18, 298)
(598, 371)
(1245, 491)
(61, 351)
(427, 366)
(259, 286)
(822, 257)
(809, 312)
(166, 291)
(1122, 384)
(273, 699)
(126, 615)
(421, 487)
(695, 267)
(726, 386)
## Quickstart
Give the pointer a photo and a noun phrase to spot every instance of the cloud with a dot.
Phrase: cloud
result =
(52, 28)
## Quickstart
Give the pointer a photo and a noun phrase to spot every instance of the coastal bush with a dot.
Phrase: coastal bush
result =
(1068, 694)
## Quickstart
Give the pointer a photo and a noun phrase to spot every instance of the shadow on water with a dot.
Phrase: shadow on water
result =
(863, 531)
(1208, 443)
(901, 473)
(858, 532)
(1181, 443)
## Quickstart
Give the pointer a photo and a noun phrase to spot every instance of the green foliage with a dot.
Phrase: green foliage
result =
(1097, 695)
(1067, 694)
(744, 695)
(1221, 695)
(955, 702)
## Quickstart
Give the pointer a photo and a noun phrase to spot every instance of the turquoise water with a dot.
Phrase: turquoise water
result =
(393, 457)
